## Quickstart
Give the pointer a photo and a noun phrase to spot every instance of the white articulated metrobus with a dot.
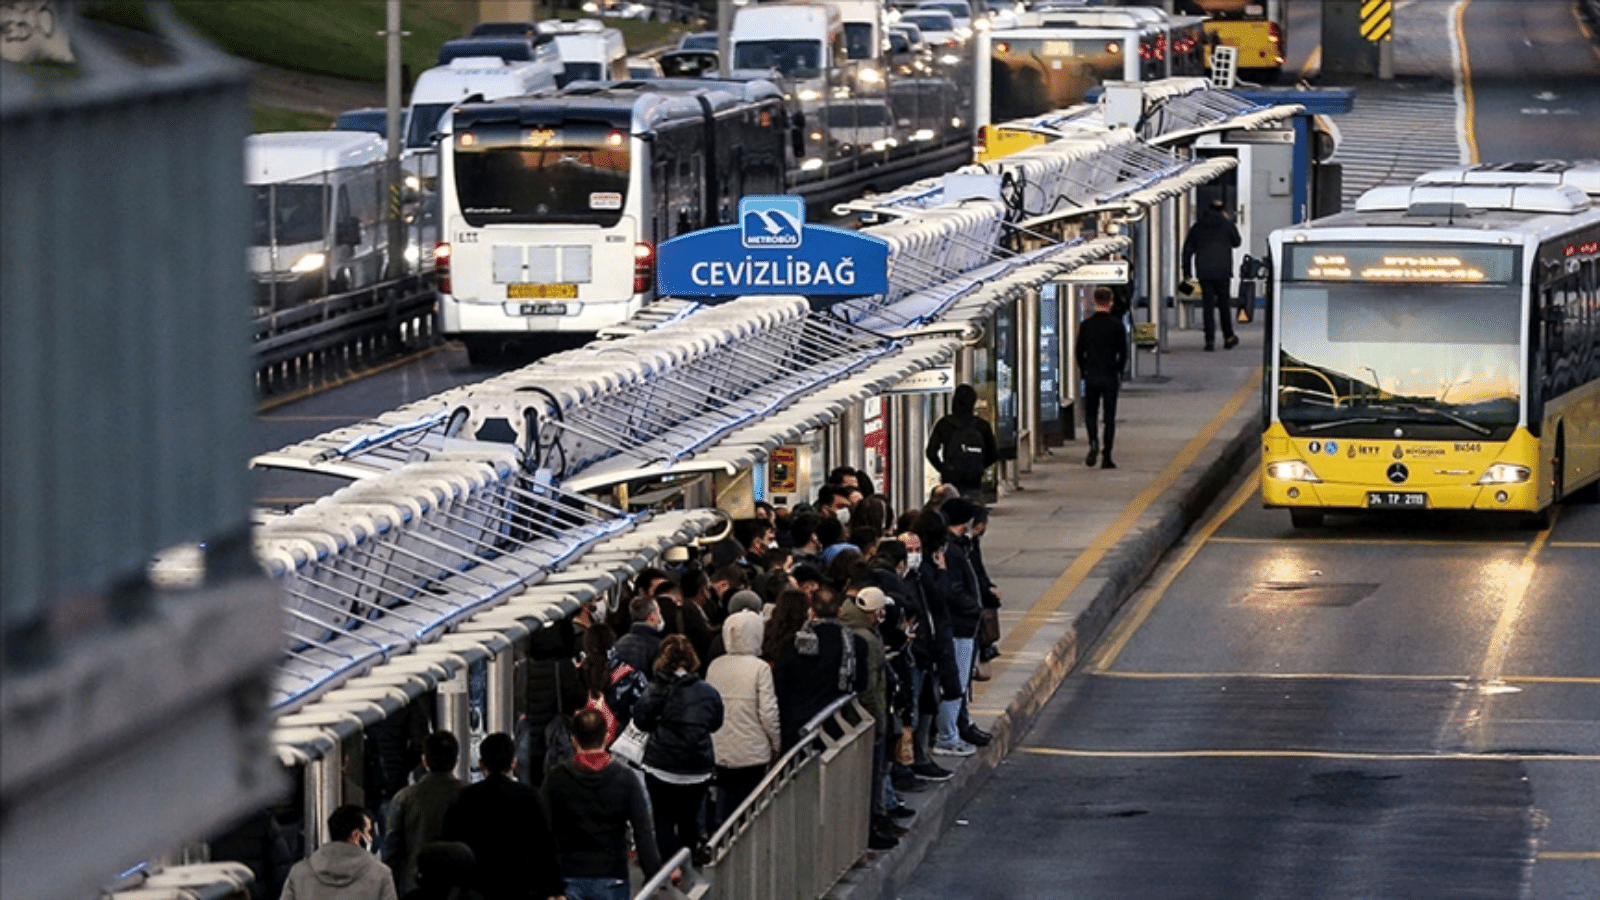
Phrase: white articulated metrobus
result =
(552, 207)
(1438, 347)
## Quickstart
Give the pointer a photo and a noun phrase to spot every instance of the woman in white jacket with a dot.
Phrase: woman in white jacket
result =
(747, 742)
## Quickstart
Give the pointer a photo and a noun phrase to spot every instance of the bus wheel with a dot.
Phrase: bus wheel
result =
(1305, 518)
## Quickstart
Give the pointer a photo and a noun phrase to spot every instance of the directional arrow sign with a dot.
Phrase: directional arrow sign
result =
(929, 381)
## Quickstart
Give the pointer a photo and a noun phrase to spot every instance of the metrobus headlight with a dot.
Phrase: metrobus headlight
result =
(311, 262)
(1506, 473)
(1291, 470)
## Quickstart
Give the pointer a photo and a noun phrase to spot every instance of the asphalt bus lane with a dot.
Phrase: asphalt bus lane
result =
(1430, 752)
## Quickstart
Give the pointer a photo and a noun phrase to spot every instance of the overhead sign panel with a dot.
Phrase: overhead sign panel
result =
(772, 251)
(1114, 272)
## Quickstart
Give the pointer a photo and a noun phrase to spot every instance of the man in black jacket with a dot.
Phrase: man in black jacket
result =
(593, 798)
(961, 445)
(504, 822)
(1102, 351)
(825, 662)
(1208, 256)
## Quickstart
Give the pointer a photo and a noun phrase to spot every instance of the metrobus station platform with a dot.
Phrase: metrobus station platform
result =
(1067, 544)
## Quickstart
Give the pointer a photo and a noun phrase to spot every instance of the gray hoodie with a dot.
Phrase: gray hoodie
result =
(749, 734)
(339, 871)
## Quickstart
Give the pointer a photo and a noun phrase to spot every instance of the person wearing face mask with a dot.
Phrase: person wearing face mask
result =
(638, 647)
(343, 868)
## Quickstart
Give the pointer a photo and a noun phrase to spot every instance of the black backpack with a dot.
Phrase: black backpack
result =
(963, 451)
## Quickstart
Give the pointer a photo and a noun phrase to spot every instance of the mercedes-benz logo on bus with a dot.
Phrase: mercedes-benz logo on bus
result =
(1398, 473)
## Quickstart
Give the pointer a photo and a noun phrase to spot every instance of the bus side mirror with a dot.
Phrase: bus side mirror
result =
(797, 134)
(348, 232)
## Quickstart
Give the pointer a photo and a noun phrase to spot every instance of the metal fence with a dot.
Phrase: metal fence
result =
(801, 829)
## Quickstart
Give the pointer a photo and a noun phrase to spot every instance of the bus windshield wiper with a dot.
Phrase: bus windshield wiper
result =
(1443, 414)
(1336, 423)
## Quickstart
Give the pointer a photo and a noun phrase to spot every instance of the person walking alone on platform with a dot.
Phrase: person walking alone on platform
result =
(1102, 351)
(1208, 256)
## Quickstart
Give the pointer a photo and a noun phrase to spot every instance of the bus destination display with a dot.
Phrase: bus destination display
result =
(1395, 263)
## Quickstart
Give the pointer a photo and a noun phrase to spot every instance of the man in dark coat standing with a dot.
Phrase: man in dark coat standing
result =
(1208, 256)
(1102, 351)
(596, 798)
(416, 814)
(504, 822)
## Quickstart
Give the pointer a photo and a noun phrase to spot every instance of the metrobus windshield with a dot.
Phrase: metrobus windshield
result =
(1033, 76)
(571, 173)
(1424, 361)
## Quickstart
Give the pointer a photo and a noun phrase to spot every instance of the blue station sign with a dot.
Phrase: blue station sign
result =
(772, 251)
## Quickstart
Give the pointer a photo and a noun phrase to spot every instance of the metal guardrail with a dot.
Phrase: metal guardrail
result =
(800, 830)
(329, 336)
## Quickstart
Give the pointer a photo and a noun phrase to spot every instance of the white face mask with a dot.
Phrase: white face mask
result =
(913, 559)
(843, 515)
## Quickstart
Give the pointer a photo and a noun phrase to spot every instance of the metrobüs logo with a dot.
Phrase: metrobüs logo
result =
(768, 222)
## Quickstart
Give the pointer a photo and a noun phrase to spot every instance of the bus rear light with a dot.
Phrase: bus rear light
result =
(644, 267)
(441, 267)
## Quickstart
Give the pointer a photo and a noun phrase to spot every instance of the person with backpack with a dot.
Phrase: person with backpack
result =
(961, 446)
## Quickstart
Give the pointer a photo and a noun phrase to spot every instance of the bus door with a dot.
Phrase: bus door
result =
(1257, 194)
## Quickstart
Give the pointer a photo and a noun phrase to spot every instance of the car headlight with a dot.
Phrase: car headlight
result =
(311, 262)
(810, 94)
(1506, 473)
(1291, 470)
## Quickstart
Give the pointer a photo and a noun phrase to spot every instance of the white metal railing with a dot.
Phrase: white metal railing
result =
(800, 829)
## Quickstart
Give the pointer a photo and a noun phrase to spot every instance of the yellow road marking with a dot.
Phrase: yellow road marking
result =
(1058, 592)
(1107, 651)
(1469, 129)
(1296, 754)
(1583, 29)
(1313, 64)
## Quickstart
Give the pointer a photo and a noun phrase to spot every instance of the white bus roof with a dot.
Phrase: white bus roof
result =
(290, 155)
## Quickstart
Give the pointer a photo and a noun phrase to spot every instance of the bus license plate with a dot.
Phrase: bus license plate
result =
(542, 309)
(522, 290)
(1397, 500)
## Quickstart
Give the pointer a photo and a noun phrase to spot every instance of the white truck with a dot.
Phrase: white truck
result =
(484, 77)
(589, 50)
(317, 204)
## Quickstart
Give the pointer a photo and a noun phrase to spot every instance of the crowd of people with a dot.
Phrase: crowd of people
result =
(721, 661)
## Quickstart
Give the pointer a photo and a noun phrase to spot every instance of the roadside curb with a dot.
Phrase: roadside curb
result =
(879, 875)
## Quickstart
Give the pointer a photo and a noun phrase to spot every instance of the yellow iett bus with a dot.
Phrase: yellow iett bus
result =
(1438, 347)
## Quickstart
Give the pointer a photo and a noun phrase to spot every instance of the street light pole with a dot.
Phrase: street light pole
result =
(391, 177)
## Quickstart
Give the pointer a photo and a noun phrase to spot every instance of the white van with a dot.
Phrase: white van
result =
(589, 50)
(487, 77)
(803, 42)
(317, 203)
